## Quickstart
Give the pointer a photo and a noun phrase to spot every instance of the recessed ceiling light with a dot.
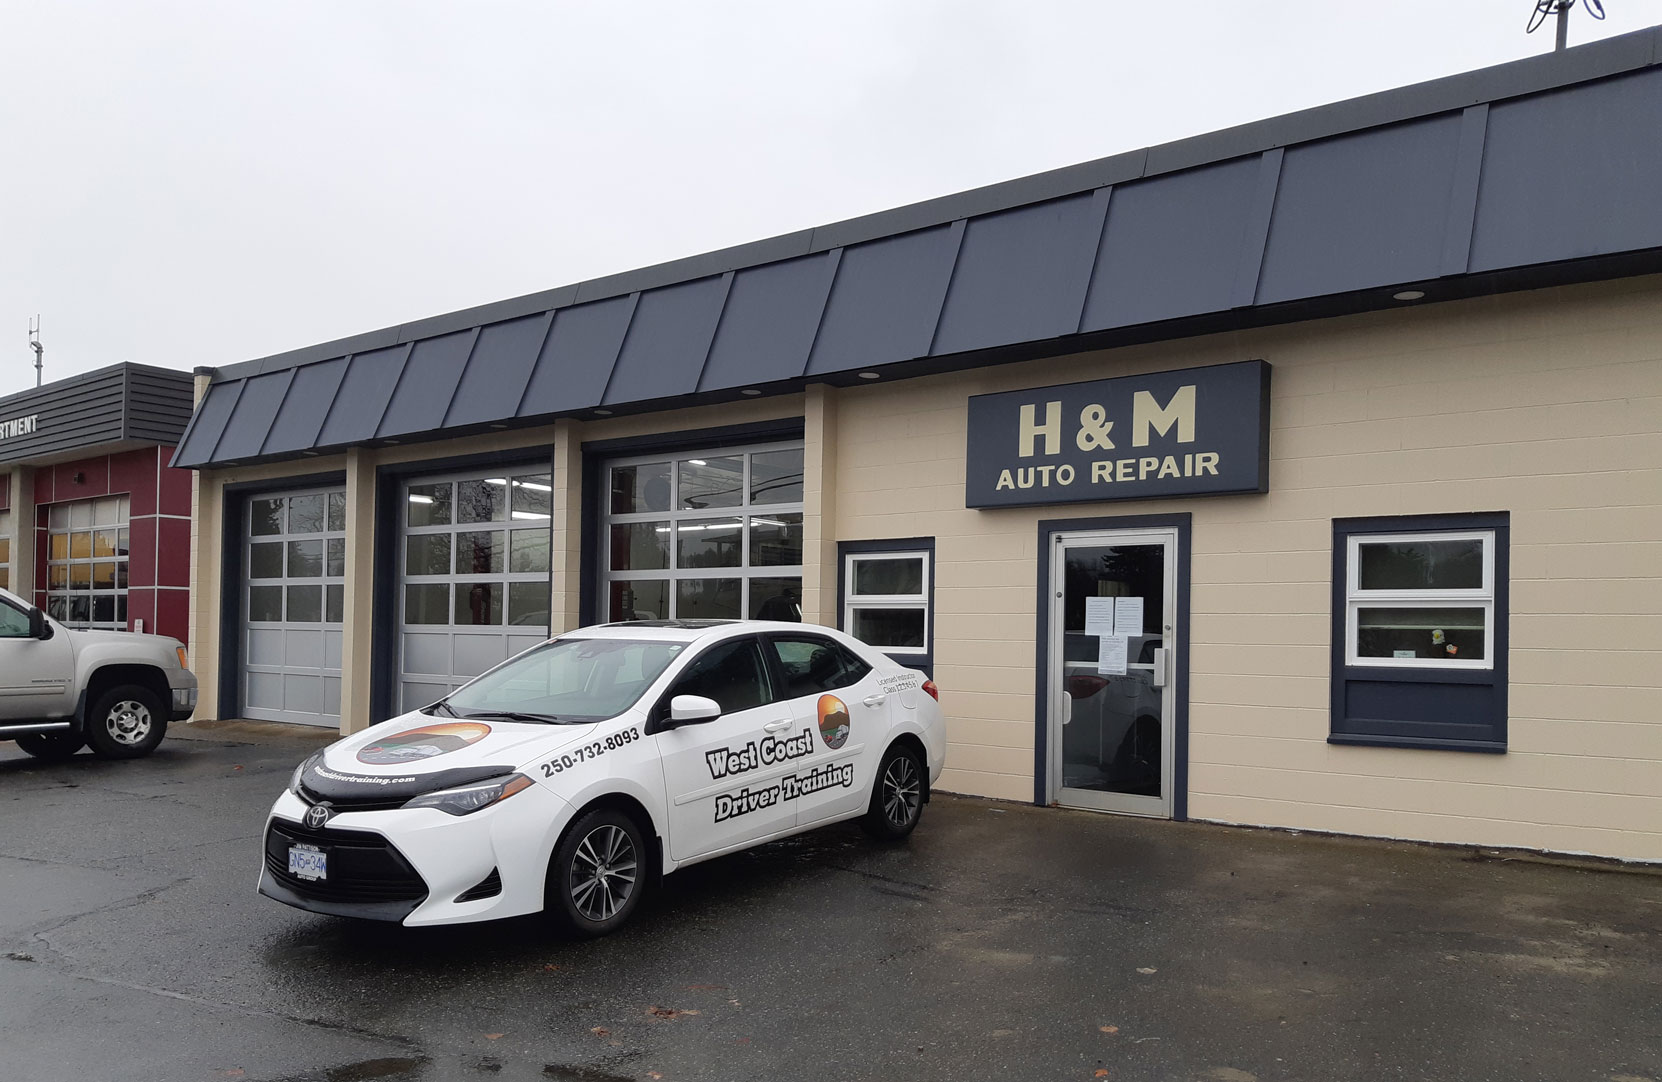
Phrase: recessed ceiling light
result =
(602, 413)
(871, 375)
(309, 454)
(751, 391)
(499, 426)
(1408, 295)
(388, 443)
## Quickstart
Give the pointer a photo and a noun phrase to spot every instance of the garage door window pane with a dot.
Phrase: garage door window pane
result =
(776, 477)
(103, 608)
(427, 554)
(265, 604)
(640, 546)
(478, 603)
(528, 550)
(80, 576)
(532, 498)
(103, 576)
(480, 554)
(710, 482)
(776, 540)
(305, 559)
(57, 577)
(707, 599)
(265, 560)
(334, 603)
(640, 488)
(711, 543)
(59, 547)
(103, 543)
(427, 604)
(528, 604)
(640, 599)
(336, 567)
(266, 517)
(306, 514)
(80, 546)
(482, 501)
(305, 604)
(337, 512)
(776, 599)
(429, 505)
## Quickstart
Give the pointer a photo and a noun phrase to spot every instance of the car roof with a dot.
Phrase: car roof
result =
(687, 630)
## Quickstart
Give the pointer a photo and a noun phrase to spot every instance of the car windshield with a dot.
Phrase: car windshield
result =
(566, 682)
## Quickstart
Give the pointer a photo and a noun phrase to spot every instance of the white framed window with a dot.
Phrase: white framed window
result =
(710, 534)
(86, 563)
(1420, 600)
(886, 599)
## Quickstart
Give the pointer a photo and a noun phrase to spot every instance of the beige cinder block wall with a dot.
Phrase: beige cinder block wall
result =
(1547, 405)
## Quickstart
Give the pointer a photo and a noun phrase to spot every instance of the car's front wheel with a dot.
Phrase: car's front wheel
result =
(897, 798)
(598, 873)
(53, 747)
(125, 723)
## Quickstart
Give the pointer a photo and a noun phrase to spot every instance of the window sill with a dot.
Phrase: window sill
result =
(1487, 747)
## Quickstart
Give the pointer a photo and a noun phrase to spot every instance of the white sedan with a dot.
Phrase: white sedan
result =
(567, 778)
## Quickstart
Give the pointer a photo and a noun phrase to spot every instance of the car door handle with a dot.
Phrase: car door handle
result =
(874, 700)
(775, 726)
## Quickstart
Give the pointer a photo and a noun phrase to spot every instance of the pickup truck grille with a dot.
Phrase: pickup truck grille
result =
(363, 867)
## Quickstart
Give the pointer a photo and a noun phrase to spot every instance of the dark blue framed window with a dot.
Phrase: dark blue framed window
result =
(1420, 606)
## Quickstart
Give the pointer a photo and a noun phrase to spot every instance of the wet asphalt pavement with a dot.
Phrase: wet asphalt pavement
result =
(1000, 942)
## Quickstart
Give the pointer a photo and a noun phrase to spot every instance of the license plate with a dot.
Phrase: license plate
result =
(308, 862)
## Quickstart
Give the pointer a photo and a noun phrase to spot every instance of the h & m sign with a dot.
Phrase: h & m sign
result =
(1194, 432)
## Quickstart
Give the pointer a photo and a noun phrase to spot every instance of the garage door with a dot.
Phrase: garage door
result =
(475, 589)
(293, 593)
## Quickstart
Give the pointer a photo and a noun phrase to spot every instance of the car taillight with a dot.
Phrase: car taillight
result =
(933, 691)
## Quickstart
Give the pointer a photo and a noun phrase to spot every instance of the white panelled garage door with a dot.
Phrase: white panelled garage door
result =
(475, 589)
(294, 564)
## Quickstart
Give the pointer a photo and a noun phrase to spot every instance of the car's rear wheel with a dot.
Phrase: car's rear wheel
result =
(897, 798)
(125, 723)
(52, 747)
(598, 873)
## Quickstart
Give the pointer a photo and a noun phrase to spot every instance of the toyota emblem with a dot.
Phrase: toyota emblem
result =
(318, 814)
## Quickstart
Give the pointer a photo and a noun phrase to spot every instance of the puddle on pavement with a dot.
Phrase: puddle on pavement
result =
(583, 1074)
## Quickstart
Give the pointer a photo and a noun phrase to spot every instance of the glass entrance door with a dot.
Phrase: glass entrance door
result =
(1112, 628)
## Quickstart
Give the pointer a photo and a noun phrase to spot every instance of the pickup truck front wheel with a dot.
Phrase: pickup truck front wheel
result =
(53, 747)
(126, 722)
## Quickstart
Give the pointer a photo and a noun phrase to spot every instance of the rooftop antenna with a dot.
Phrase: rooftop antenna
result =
(1561, 9)
(34, 344)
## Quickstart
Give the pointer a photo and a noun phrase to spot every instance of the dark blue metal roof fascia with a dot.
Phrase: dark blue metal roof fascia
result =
(305, 407)
(256, 409)
(365, 391)
(1518, 78)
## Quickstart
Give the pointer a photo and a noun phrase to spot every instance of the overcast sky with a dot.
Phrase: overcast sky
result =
(204, 183)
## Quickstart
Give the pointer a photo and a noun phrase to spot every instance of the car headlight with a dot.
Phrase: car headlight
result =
(294, 779)
(470, 798)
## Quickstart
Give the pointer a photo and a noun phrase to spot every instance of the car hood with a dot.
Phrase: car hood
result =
(419, 753)
(129, 639)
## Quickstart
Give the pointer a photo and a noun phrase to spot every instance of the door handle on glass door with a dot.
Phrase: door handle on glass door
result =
(1159, 667)
(874, 700)
(775, 726)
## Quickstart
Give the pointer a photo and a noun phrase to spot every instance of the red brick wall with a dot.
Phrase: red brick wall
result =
(158, 550)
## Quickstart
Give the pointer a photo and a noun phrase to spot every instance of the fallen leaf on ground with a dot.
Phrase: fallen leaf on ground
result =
(1147, 969)
(601, 1031)
(494, 1036)
(670, 1013)
(653, 1074)
(234, 1072)
(706, 988)
(1101, 1072)
(551, 967)
(1109, 1029)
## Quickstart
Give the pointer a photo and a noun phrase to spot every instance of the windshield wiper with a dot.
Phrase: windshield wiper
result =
(444, 706)
(513, 715)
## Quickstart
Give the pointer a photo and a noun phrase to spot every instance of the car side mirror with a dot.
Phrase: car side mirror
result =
(692, 710)
(38, 627)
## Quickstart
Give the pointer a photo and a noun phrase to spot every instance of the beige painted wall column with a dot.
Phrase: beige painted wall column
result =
(358, 610)
(22, 532)
(206, 501)
(566, 547)
(819, 506)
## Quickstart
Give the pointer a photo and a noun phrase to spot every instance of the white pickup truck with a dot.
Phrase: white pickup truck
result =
(62, 689)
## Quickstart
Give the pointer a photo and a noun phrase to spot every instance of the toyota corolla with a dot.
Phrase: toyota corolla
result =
(566, 779)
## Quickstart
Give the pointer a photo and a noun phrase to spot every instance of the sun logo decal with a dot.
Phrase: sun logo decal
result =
(833, 721)
(423, 743)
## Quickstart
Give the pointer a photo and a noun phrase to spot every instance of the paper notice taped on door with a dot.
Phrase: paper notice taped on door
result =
(1111, 655)
(1128, 616)
(1099, 616)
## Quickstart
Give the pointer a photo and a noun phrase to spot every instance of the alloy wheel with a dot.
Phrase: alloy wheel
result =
(603, 872)
(901, 791)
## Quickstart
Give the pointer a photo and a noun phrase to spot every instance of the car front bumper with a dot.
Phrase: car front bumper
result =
(413, 865)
